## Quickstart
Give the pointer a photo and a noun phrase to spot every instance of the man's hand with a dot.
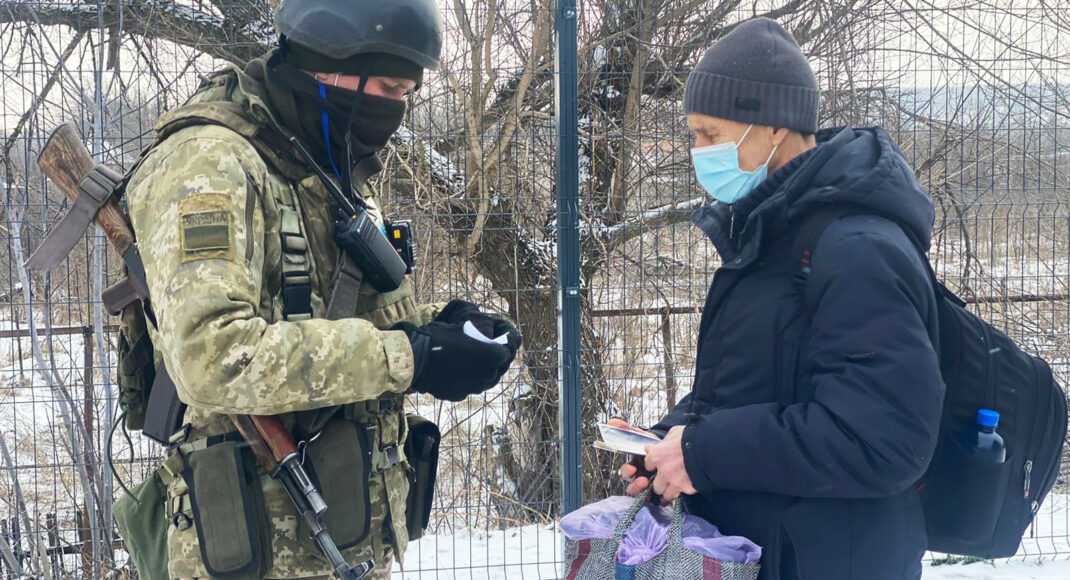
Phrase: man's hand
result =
(667, 460)
(633, 472)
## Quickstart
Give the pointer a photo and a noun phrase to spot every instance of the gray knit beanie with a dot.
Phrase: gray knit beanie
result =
(755, 74)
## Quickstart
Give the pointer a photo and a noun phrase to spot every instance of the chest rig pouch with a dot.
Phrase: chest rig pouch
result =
(228, 510)
(342, 459)
(344, 446)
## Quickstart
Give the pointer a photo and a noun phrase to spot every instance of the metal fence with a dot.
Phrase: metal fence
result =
(545, 167)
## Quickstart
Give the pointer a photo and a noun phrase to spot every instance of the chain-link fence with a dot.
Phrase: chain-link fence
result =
(976, 92)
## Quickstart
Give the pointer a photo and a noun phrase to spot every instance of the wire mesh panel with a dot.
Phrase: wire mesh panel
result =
(976, 93)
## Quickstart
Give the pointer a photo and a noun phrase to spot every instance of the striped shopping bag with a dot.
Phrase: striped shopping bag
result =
(596, 559)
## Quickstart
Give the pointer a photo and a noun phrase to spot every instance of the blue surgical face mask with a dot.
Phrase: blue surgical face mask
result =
(717, 169)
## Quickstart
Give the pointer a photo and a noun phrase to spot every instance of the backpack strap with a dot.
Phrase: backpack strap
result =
(817, 221)
(807, 236)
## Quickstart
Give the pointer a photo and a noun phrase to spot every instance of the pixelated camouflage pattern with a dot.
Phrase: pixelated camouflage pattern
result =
(380, 572)
(220, 325)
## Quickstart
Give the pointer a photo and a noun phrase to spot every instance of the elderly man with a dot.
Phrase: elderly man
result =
(817, 392)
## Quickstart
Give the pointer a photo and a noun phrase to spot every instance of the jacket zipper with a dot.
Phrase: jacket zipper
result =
(251, 193)
(1035, 505)
(1028, 474)
(1028, 468)
(990, 372)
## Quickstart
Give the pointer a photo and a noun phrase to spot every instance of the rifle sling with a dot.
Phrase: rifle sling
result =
(94, 191)
(345, 289)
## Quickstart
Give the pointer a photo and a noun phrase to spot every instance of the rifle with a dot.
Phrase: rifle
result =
(66, 161)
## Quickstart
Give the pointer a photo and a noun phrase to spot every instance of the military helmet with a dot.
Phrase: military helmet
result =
(342, 29)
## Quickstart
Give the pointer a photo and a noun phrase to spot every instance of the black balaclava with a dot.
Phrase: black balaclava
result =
(341, 128)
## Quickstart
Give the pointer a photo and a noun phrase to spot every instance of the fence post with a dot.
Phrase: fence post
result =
(568, 254)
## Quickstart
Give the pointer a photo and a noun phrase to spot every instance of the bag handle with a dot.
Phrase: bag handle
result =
(676, 533)
(629, 516)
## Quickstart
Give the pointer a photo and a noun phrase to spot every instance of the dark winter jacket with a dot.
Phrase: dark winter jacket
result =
(812, 417)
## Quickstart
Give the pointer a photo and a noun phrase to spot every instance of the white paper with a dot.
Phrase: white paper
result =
(471, 331)
(624, 440)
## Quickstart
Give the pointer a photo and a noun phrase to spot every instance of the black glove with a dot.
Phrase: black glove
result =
(450, 365)
(460, 311)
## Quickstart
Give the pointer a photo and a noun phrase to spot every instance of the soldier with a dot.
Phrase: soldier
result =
(236, 232)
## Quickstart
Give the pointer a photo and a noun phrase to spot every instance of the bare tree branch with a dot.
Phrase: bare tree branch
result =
(237, 39)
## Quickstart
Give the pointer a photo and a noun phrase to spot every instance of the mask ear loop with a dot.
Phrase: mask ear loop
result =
(745, 133)
(771, 153)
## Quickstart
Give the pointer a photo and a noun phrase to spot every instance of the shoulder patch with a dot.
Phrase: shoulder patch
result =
(206, 227)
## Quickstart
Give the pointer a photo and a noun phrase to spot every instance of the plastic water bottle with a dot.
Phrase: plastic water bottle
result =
(983, 442)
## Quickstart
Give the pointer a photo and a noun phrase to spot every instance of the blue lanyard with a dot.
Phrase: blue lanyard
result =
(327, 133)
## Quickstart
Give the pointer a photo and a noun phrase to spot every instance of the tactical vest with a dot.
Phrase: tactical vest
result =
(220, 101)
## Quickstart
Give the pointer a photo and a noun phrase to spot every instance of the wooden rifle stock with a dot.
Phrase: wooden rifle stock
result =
(66, 161)
(268, 438)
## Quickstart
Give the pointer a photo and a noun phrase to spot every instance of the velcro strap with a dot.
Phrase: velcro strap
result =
(294, 244)
(386, 404)
(296, 273)
(99, 184)
(290, 221)
(386, 457)
(171, 468)
(93, 192)
(296, 295)
(206, 442)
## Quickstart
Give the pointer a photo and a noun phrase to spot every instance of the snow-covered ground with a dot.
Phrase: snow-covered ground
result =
(534, 552)
(1028, 570)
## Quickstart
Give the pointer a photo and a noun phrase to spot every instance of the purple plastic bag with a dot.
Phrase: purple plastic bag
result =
(703, 537)
(596, 520)
(649, 532)
(647, 536)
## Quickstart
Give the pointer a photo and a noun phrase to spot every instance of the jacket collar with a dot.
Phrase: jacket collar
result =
(737, 230)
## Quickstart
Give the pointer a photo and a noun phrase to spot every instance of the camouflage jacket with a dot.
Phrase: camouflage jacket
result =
(208, 204)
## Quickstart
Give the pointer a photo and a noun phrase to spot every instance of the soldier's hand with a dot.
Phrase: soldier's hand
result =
(459, 311)
(451, 365)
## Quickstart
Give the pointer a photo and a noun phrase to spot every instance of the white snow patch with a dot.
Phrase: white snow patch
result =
(532, 551)
(1031, 570)
(535, 551)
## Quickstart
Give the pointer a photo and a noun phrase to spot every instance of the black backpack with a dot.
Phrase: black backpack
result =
(974, 507)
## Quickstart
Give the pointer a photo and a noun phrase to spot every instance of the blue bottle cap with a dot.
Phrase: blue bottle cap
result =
(987, 418)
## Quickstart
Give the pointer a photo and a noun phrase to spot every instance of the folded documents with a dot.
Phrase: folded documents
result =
(620, 440)
(471, 331)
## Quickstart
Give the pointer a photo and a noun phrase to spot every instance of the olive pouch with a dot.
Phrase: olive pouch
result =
(421, 450)
(142, 521)
(136, 369)
(339, 462)
(229, 511)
